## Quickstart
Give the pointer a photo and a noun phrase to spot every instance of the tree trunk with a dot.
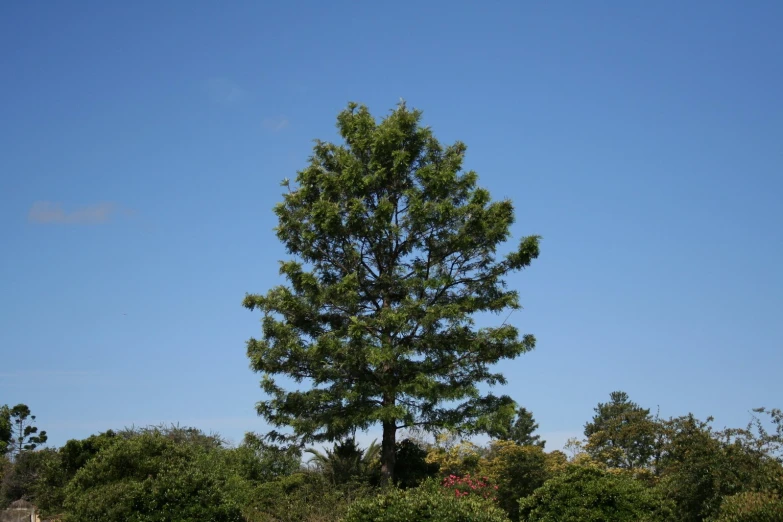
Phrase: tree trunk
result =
(388, 446)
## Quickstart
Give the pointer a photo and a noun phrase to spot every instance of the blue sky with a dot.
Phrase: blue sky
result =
(143, 144)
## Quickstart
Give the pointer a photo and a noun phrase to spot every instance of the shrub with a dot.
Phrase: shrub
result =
(587, 494)
(305, 496)
(467, 485)
(427, 502)
(153, 477)
(751, 506)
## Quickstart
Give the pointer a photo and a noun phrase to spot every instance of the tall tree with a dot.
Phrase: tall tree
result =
(622, 434)
(395, 253)
(26, 435)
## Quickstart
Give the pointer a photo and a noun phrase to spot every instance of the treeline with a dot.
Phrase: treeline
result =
(630, 466)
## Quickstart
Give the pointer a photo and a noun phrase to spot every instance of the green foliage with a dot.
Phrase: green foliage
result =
(519, 429)
(22, 477)
(154, 476)
(25, 435)
(273, 461)
(305, 496)
(6, 430)
(517, 471)
(454, 457)
(751, 507)
(412, 467)
(700, 468)
(396, 252)
(622, 434)
(588, 494)
(345, 462)
(426, 502)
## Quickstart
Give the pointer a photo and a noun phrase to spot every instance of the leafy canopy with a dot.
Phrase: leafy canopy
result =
(395, 252)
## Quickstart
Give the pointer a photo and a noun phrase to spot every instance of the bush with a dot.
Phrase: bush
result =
(426, 502)
(302, 497)
(153, 477)
(751, 507)
(587, 494)
(21, 478)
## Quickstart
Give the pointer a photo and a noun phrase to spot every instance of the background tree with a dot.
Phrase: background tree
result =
(26, 435)
(519, 429)
(397, 253)
(622, 434)
(517, 471)
(700, 468)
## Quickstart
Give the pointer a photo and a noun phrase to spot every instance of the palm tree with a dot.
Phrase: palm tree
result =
(345, 460)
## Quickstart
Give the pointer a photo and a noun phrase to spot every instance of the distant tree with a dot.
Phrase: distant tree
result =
(519, 429)
(621, 434)
(396, 252)
(700, 468)
(26, 435)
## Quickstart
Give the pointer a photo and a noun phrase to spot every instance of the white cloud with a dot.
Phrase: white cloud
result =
(224, 91)
(275, 124)
(47, 212)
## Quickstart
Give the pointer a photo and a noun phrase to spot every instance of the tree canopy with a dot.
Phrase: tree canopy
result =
(395, 253)
(621, 434)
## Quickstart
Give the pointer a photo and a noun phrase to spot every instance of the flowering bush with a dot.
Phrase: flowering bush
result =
(466, 485)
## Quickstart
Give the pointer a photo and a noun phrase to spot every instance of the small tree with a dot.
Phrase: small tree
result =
(397, 253)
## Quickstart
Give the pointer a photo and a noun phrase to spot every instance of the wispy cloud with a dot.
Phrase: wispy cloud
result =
(59, 379)
(48, 212)
(40, 374)
(275, 124)
(224, 91)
